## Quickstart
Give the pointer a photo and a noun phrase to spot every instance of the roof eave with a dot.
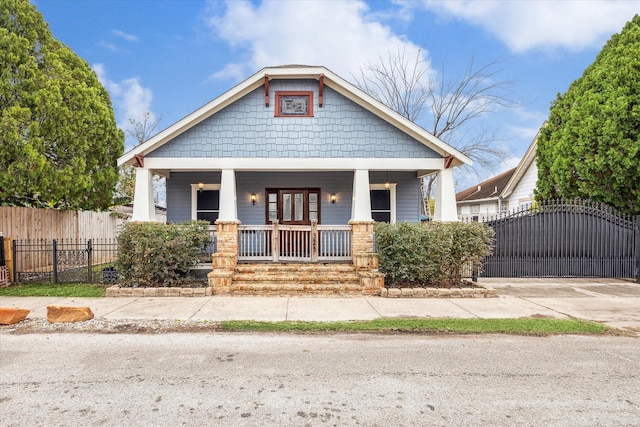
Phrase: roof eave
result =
(370, 103)
(526, 161)
(485, 199)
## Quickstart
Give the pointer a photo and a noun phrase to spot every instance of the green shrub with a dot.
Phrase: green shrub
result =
(160, 255)
(431, 254)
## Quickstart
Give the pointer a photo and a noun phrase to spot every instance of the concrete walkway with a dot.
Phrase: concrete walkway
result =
(612, 301)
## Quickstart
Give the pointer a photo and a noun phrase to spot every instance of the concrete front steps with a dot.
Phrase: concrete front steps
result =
(299, 279)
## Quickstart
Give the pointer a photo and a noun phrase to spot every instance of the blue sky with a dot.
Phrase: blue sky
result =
(170, 57)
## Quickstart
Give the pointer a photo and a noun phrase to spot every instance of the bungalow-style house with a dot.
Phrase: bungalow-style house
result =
(509, 191)
(294, 164)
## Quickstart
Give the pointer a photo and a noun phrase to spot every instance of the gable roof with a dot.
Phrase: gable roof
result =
(523, 166)
(330, 79)
(489, 189)
(501, 186)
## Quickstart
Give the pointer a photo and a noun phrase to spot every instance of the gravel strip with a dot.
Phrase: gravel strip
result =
(108, 326)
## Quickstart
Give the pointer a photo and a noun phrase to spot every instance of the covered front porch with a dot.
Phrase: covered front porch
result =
(294, 216)
(289, 214)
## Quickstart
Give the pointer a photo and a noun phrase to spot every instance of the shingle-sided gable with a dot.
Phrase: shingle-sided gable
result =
(339, 129)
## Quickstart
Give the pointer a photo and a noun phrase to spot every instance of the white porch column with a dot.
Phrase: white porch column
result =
(228, 205)
(361, 203)
(445, 209)
(144, 207)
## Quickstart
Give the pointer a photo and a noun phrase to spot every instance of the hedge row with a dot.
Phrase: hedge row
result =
(160, 255)
(431, 254)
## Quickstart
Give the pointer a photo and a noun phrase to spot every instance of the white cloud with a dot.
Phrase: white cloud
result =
(508, 163)
(130, 99)
(341, 35)
(108, 46)
(524, 133)
(126, 36)
(526, 25)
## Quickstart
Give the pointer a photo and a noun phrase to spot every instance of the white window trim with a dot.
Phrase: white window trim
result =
(392, 196)
(194, 198)
(525, 203)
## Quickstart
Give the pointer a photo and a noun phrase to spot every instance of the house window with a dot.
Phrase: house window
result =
(524, 204)
(294, 104)
(474, 209)
(205, 202)
(504, 206)
(383, 202)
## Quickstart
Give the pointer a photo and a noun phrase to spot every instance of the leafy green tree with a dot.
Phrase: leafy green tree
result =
(59, 139)
(590, 147)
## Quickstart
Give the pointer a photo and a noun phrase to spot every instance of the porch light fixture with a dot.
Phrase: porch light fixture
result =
(200, 183)
(333, 198)
(253, 199)
(386, 181)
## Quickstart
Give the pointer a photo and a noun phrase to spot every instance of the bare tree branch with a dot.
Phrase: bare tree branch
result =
(397, 82)
(407, 86)
(143, 129)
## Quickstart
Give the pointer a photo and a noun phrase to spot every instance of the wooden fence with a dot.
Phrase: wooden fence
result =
(49, 224)
(45, 225)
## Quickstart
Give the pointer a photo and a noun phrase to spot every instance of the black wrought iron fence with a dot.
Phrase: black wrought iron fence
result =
(4, 271)
(89, 261)
(2, 257)
(565, 239)
(70, 260)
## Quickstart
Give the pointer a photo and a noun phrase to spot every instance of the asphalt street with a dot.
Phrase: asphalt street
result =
(228, 379)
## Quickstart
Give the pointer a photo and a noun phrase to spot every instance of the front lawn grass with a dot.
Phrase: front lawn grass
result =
(524, 326)
(47, 289)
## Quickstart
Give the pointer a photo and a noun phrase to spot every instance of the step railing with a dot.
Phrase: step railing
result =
(311, 243)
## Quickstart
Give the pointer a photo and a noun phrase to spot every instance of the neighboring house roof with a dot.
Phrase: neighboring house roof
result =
(486, 190)
(501, 186)
(329, 78)
(521, 169)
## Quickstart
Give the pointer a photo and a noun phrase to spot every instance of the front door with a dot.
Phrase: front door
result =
(293, 206)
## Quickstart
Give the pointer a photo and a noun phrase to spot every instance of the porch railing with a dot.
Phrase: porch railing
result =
(294, 242)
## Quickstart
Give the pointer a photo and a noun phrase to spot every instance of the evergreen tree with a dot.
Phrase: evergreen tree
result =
(59, 139)
(590, 148)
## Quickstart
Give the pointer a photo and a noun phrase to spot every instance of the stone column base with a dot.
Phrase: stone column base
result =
(361, 237)
(366, 261)
(224, 261)
(227, 236)
(371, 280)
(220, 281)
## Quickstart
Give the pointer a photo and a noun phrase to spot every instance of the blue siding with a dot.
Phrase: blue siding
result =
(339, 129)
(407, 193)
(340, 183)
(179, 192)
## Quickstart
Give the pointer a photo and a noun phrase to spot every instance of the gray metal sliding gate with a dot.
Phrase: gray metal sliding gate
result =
(565, 239)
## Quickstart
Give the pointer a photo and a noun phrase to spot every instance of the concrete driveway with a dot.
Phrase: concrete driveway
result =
(615, 302)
